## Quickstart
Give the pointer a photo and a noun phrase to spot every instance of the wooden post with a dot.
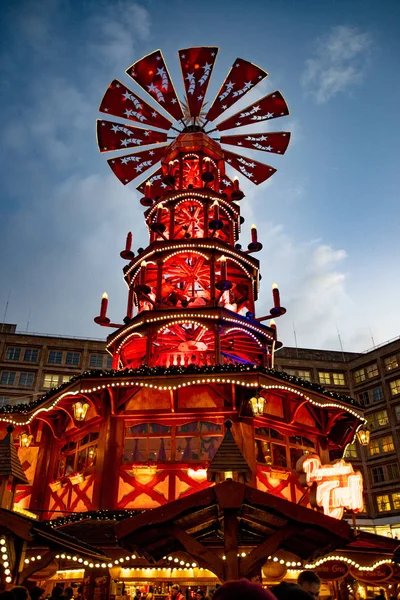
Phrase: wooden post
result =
(231, 566)
(45, 465)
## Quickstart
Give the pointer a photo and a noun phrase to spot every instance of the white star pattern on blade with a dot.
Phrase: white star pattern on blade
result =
(115, 128)
(164, 185)
(199, 97)
(227, 183)
(138, 168)
(212, 53)
(238, 124)
(158, 57)
(147, 133)
(237, 65)
(106, 110)
(151, 153)
(153, 114)
(103, 124)
(260, 77)
(268, 148)
(126, 95)
(224, 107)
(117, 85)
(133, 74)
(262, 138)
(240, 144)
(229, 160)
(124, 142)
(124, 161)
(128, 112)
(152, 87)
(269, 115)
(161, 71)
(182, 56)
(248, 85)
(173, 101)
(256, 108)
(206, 67)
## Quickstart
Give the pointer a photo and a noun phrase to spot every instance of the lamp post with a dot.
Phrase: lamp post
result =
(25, 440)
(363, 436)
(80, 410)
(257, 405)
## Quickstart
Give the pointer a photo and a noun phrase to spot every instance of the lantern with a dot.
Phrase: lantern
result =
(257, 405)
(25, 440)
(363, 435)
(80, 410)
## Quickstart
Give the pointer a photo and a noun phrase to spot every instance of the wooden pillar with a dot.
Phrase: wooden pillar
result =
(217, 345)
(45, 465)
(159, 280)
(129, 308)
(212, 280)
(171, 222)
(206, 205)
(231, 547)
(109, 457)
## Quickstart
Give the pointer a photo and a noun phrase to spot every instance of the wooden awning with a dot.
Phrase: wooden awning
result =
(221, 519)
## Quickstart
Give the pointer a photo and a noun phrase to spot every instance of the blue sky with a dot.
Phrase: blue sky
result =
(328, 219)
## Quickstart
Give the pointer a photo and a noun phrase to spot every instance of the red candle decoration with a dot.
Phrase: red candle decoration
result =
(276, 296)
(143, 272)
(159, 214)
(216, 211)
(272, 324)
(128, 244)
(103, 306)
(236, 184)
(254, 234)
(170, 167)
(224, 273)
(207, 163)
(148, 189)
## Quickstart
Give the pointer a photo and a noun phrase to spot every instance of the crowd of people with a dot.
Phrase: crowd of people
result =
(307, 588)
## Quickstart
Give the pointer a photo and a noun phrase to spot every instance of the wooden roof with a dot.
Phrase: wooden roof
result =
(195, 524)
(10, 465)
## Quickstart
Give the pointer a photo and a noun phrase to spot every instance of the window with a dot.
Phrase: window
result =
(96, 360)
(195, 441)
(147, 442)
(351, 451)
(26, 379)
(299, 373)
(268, 449)
(381, 418)
(299, 445)
(31, 355)
(13, 353)
(52, 380)
(324, 377)
(396, 500)
(378, 474)
(359, 376)
(395, 387)
(77, 456)
(55, 357)
(387, 444)
(364, 398)
(108, 362)
(338, 379)
(397, 412)
(381, 445)
(383, 503)
(391, 363)
(4, 401)
(73, 358)
(377, 394)
(392, 471)
(372, 370)
(7, 378)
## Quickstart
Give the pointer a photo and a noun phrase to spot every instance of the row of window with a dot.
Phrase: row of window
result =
(385, 473)
(324, 377)
(58, 357)
(376, 394)
(370, 371)
(387, 502)
(50, 380)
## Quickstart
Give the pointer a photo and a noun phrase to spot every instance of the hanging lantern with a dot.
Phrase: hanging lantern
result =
(25, 440)
(80, 410)
(363, 435)
(257, 405)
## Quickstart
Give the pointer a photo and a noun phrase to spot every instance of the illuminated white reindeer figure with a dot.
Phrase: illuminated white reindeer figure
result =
(334, 487)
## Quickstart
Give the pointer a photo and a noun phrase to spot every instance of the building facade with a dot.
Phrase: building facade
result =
(32, 364)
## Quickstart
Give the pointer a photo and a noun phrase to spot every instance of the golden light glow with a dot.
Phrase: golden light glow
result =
(274, 286)
(25, 512)
(105, 296)
(257, 405)
(25, 440)
(80, 410)
(363, 436)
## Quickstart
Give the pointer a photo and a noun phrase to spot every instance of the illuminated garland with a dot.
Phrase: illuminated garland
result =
(351, 562)
(174, 370)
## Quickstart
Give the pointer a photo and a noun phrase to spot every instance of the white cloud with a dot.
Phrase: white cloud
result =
(338, 64)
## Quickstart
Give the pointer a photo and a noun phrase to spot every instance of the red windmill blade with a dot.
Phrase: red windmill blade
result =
(120, 101)
(130, 166)
(197, 65)
(226, 185)
(252, 169)
(275, 142)
(117, 136)
(269, 107)
(151, 73)
(242, 77)
(157, 187)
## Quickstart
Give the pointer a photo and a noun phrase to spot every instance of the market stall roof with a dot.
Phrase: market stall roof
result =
(38, 534)
(232, 515)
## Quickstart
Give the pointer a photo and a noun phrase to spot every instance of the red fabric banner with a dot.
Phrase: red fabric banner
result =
(152, 75)
(276, 142)
(117, 136)
(242, 77)
(255, 171)
(130, 166)
(197, 65)
(120, 101)
(269, 107)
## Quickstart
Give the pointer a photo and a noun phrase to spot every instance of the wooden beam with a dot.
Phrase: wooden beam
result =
(259, 555)
(198, 551)
(38, 565)
(231, 546)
